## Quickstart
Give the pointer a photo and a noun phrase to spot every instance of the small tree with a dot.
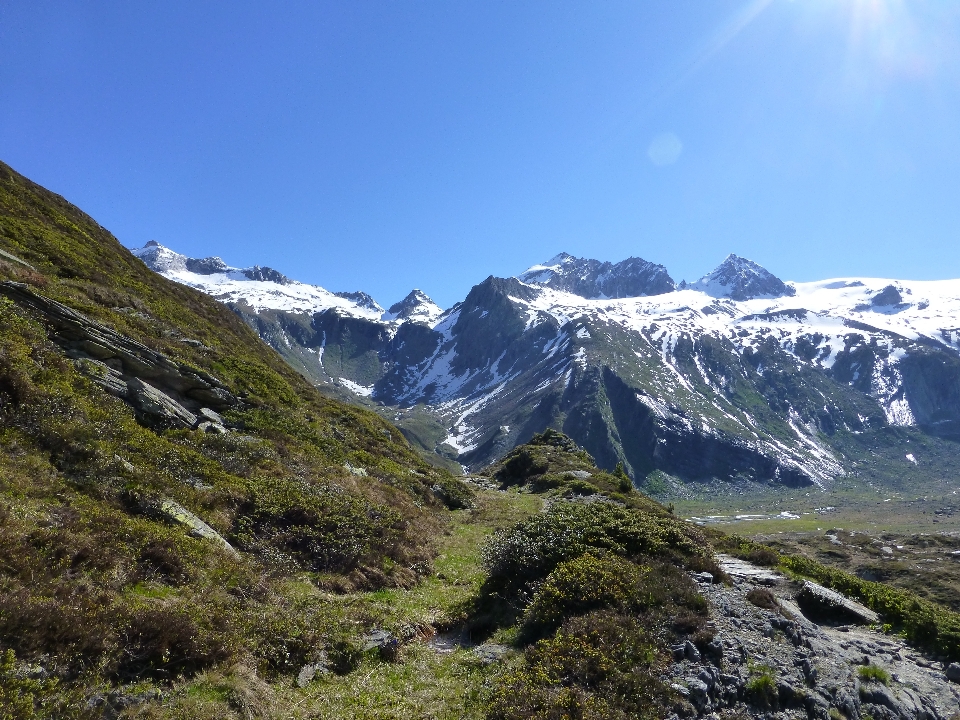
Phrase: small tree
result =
(626, 484)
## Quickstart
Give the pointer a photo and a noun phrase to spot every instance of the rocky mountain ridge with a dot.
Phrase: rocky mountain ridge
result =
(738, 376)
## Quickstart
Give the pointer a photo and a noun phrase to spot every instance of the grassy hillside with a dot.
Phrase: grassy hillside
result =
(99, 583)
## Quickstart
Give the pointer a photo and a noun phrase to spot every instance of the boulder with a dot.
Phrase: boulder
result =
(953, 672)
(172, 510)
(818, 602)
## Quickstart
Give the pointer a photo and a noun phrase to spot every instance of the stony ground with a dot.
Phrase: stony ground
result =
(777, 663)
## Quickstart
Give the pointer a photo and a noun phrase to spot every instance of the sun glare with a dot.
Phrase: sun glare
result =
(885, 34)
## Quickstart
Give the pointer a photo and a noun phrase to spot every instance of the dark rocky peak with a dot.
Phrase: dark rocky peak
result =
(633, 277)
(742, 279)
(890, 295)
(489, 303)
(266, 274)
(494, 287)
(207, 266)
(414, 305)
(361, 299)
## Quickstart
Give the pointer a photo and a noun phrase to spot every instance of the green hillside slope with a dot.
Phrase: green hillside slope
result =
(134, 547)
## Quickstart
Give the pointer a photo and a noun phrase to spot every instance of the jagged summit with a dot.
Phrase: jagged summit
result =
(742, 279)
(633, 277)
(415, 307)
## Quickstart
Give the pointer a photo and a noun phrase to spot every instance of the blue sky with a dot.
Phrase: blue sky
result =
(386, 145)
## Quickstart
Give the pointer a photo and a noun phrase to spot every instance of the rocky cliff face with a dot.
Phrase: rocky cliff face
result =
(740, 376)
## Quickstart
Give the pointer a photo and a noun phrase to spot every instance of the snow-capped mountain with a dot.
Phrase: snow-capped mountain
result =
(590, 279)
(262, 288)
(415, 307)
(740, 279)
(738, 376)
(259, 288)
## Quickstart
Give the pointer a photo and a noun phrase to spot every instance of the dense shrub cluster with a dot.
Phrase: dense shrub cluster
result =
(599, 666)
(532, 549)
(593, 581)
(604, 582)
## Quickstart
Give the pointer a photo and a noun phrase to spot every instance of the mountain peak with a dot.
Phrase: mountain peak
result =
(741, 279)
(633, 277)
(415, 307)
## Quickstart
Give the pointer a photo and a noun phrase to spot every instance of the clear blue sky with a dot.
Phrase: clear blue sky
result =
(386, 145)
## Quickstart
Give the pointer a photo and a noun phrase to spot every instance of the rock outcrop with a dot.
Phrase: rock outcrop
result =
(763, 663)
(164, 393)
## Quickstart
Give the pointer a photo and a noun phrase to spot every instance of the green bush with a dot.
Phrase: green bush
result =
(580, 487)
(761, 688)
(625, 484)
(324, 528)
(589, 582)
(597, 666)
(533, 548)
(23, 697)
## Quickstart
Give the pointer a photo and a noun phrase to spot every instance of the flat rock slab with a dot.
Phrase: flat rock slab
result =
(743, 570)
(818, 601)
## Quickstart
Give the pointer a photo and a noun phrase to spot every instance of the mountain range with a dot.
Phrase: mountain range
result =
(739, 376)
(189, 528)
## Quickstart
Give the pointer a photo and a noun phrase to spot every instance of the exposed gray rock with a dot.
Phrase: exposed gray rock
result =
(311, 671)
(206, 414)
(362, 299)
(587, 278)
(953, 672)
(207, 265)
(886, 297)
(817, 600)
(9, 256)
(113, 704)
(490, 653)
(742, 279)
(176, 512)
(385, 643)
(164, 393)
(265, 274)
(815, 668)
(158, 408)
(741, 570)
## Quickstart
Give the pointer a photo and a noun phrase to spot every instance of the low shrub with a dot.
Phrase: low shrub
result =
(874, 673)
(597, 581)
(748, 550)
(324, 528)
(761, 688)
(763, 598)
(599, 666)
(587, 583)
